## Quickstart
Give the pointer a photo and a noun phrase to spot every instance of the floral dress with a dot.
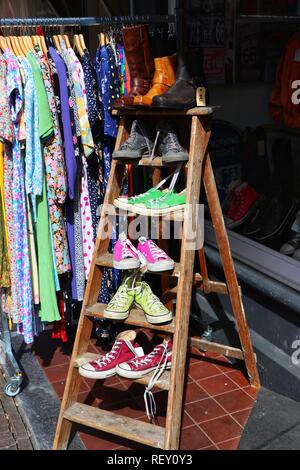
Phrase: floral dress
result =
(21, 245)
(55, 177)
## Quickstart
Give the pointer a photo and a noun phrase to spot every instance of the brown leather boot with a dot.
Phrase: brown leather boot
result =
(164, 77)
(140, 63)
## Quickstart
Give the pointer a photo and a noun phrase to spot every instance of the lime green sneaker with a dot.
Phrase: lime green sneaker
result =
(127, 203)
(168, 203)
(119, 306)
(155, 311)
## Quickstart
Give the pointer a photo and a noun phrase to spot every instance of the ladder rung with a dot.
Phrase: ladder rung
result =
(112, 423)
(163, 382)
(174, 216)
(156, 162)
(136, 317)
(106, 260)
(199, 111)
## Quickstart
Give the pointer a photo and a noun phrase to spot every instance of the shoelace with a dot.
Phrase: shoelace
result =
(172, 142)
(156, 252)
(120, 299)
(132, 136)
(110, 356)
(153, 301)
(149, 399)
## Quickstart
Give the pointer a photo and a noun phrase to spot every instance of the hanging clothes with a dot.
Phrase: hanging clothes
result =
(19, 215)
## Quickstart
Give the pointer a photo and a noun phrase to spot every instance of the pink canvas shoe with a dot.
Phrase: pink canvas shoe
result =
(156, 258)
(124, 349)
(159, 358)
(125, 255)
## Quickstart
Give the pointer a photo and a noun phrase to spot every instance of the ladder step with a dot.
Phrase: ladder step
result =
(163, 382)
(132, 429)
(156, 162)
(174, 216)
(136, 317)
(106, 260)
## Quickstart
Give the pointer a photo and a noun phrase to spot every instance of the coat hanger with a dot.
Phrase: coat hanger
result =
(56, 42)
(3, 45)
(102, 39)
(16, 46)
(82, 42)
(67, 41)
(77, 45)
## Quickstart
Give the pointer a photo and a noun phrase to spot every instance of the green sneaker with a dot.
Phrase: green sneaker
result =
(155, 311)
(168, 203)
(119, 306)
(127, 203)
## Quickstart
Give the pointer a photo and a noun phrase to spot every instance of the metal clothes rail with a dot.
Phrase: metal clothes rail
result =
(87, 21)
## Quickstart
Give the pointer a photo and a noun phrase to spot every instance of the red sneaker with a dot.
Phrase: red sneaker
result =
(159, 358)
(123, 350)
(247, 200)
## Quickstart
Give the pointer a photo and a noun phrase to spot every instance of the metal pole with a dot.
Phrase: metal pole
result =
(87, 21)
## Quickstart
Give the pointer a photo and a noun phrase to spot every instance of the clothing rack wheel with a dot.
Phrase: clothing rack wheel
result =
(198, 170)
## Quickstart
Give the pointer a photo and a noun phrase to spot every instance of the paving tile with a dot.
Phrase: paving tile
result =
(59, 387)
(193, 438)
(231, 444)
(217, 385)
(238, 377)
(57, 373)
(224, 365)
(253, 391)
(88, 398)
(57, 358)
(193, 392)
(186, 420)
(202, 370)
(221, 429)
(236, 400)
(208, 448)
(110, 395)
(204, 410)
(98, 440)
(242, 416)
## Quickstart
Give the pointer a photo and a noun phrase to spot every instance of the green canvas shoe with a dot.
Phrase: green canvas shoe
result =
(168, 203)
(155, 311)
(119, 306)
(128, 203)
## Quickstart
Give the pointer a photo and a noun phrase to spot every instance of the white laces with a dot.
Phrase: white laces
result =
(128, 248)
(149, 399)
(155, 251)
(110, 356)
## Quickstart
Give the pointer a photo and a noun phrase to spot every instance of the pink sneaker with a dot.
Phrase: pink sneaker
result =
(157, 259)
(159, 358)
(123, 350)
(125, 255)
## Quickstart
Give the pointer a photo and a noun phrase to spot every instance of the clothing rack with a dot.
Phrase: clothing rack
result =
(87, 21)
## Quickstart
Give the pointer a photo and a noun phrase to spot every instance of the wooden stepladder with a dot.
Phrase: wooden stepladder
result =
(198, 169)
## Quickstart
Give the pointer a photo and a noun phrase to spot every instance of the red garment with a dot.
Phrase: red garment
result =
(59, 327)
(281, 105)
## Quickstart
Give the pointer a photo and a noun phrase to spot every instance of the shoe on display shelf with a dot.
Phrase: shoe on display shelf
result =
(159, 358)
(126, 203)
(125, 255)
(145, 299)
(138, 144)
(291, 246)
(171, 202)
(278, 219)
(124, 349)
(168, 144)
(157, 260)
(246, 200)
(164, 78)
(119, 306)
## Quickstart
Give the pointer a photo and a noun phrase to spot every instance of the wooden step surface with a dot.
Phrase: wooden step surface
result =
(163, 382)
(199, 111)
(112, 423)
(106, 260)
(156, 162)
(112, 210)
(136, 317)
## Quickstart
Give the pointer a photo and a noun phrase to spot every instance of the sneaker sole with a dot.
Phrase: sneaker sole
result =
(152, 212)
(126, 264)
(155, 320)
(161, 266)
(175, 158)
(129, 374)
(116, 315)
(89, 374)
